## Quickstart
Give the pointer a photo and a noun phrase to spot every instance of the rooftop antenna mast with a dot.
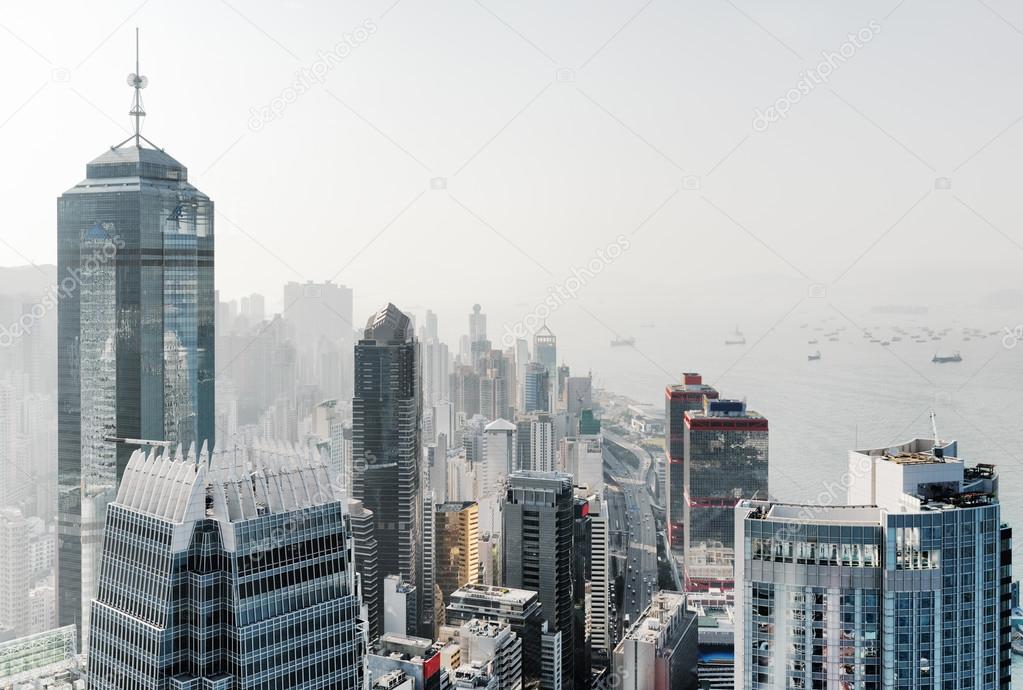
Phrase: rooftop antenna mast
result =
(138, 111)
(934, 430)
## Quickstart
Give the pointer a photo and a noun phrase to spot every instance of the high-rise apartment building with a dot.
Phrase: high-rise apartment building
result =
(457, 557)
(135, 335)
(909, 588)
(15, 575)
(386, 444)
(678, 399)
(538, 550)
(659, 650)
(725, 461)
(230, 570)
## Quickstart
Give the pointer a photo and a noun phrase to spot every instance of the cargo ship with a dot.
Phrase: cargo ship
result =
(946, 359)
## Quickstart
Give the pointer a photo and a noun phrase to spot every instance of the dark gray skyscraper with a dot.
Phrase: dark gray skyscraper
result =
(227, 572)
(538, 550)
(386, 444)
(135, 335)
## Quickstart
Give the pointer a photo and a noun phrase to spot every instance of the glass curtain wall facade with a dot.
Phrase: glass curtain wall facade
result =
(725, 461)
(227, 575)
(679, 399)
(387, 444)
(135, 338)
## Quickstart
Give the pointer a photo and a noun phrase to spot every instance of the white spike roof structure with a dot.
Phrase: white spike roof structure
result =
(237, 483)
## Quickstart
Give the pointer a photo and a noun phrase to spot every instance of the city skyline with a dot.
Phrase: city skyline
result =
(221, 481)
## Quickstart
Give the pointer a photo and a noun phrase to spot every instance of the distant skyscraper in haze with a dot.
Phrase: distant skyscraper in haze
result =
(135, 335)
(386, 443)
(545, 351)
(538, 550)
(231, 570)
(678, 399)
(536, 388)
(477, 325)
(726, 460)
(534, 440)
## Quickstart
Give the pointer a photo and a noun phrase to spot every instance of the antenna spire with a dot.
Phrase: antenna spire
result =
(137, 82)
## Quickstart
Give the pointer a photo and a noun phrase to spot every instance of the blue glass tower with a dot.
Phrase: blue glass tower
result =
(135, 335)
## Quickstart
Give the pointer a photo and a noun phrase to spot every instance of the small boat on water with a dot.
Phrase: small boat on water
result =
(946, 359)
(811, 342)
(623, 342)
(814, 357)
(736, 338)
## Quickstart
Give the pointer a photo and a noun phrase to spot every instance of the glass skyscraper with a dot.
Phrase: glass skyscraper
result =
(227, 571)
(386, 442)
(726, 456)
(908, 587)
(135, 338)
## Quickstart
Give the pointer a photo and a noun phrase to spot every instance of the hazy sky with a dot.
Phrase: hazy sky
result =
(557, 127)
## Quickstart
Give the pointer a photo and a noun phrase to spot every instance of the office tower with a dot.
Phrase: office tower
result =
(494, 395)
(462, 481)
(588, 424)
(400, 616)
(679, 399)
(521, 350)
(498, 455)
(472, 439)
(436, 372)
(578, 394)
(465, 390)
(386, 446)
(561, 388)
(492, 645)
(444, 419)
(535, 442)
(583, 458)
(538, 549)
(207, 557)
(457, 545)
(910, 588)
(437, 463)
(600, 580)
(417, 657)
(367, 569)
(432, 610)
(536, 388)
(545, 351)
(135, 334)
(517, 608)
(659, 651)
(582, 572)
(15, 574)
(725, 460)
